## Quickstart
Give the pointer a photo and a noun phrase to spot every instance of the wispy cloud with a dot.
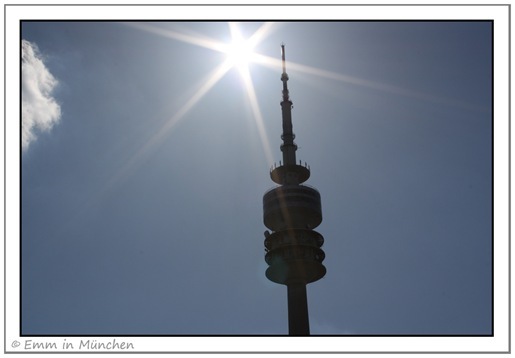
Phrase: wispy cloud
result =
(40, 111)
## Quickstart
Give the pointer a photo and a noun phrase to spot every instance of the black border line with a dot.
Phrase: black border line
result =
(20, 151)
(259, 4)
(509, 178)
(272, 335)
(492, 126)
(275, 352)
(5, 186)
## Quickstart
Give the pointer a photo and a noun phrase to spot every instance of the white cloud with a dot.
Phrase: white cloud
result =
(40, 111)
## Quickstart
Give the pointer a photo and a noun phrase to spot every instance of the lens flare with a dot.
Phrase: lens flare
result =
(239, 54)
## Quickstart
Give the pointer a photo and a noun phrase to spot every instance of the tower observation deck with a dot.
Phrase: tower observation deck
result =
(291, 211)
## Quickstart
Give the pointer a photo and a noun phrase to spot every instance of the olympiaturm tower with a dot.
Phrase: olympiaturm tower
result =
(291, 211)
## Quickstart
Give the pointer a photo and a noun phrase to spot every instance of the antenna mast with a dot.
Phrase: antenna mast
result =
(288, 147)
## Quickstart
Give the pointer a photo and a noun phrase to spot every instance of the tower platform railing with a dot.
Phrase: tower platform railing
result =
(281, 164)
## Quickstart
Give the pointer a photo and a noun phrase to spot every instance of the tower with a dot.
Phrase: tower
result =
(291, 211)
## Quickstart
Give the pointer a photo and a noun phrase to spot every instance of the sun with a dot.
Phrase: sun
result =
(240, 52)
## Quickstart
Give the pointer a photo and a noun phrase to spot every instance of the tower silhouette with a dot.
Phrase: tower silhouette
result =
(291, 211)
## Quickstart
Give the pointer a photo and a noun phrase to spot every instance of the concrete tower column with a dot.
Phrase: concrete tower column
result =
(298, 319)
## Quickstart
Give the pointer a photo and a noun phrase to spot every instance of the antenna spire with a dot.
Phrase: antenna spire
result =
(289, 147)
(284, 76)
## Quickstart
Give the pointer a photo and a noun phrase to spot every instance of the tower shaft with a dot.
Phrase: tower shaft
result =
(298, 319)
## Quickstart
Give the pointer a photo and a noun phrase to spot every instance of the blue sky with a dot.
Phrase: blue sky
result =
(139, 217)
